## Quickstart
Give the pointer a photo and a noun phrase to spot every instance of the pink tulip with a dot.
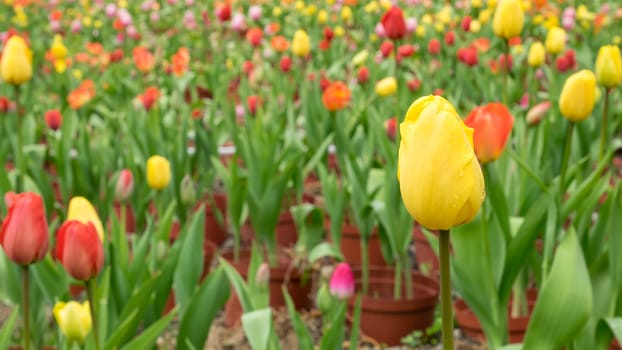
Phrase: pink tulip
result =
(342, 281)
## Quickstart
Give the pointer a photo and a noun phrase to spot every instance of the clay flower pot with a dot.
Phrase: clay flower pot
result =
(427, 261)
(469, 324)
(351, 245)
(615, 345)
(388, 320)
(280, 275)
(215, 231)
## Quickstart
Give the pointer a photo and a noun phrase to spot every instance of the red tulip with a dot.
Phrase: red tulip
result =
(224, 13)
(324, 45)
(505, 62)
(5, 103)
(254, 36)
(414, 84)
(124, 186)
(468, 55)
(363, 75)
(116, 55)
(24, 233)
(386, 48)
(466, 23)
(324, 82)
(253, 103)
(342, 281)
(328, 34)
(450, 37)
(285, 64)
(434, 46)
(79, 250)
(492, 124)
(53, 119)
(394, 23)
(247, 67)
(406, 50)
(390, 126)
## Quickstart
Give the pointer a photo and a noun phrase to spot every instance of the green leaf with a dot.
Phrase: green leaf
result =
(149, 336)
(565, 300)
(302, 332)
(324, 249)
(356, 325)
(615, 240)
(607, 328)
(497, 199)
(189, 268)
(258, 328)
(333, 336)
(239, 285)
(202, 309)
(7, 329)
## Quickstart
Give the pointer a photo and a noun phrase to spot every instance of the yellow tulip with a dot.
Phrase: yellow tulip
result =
(310, 10)
(509, 19)
(74, 320)
(59, 51)
(360, 58)
(371, 7)
(386, 87)
(16, 61)
(441, 181)
(536, 54)
(82, 210)
(475, 26)
(277, 11)
(555, 40)
(158, 172)
(609, 66)
(578, 96)
(346, 14)
(322, 17)
(301, 45)
(339, 31)
(484, 16)
(476, 3)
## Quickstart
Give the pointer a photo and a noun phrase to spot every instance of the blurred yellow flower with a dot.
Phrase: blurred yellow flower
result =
(385, 4)
(87, 21)
(609, 66)
(484, 16)
(82, 210)
(360, 58)
(386, 87)
(122, 3)
(578, 96)
(444, 15)
(276, 11)
(508, 20)
(16, 61)
(77, 74)
(229, 63)
(439, 27)
(339, 31)
(310, 10)
(373, 37)
(427, 19)
(617, 40)
(492, 3)
(330, 2)
(551, 22)
(555, 40)
(537, 19)
(322, 17)
(98, 23)
(301, 45)
(158, 172)
(346, 14)
(536, 54)
(476, 3)
(20, 17)
(475, 26)
(420, 31)
(299, 5)
(372, 6)
(73, 319)
(584, 14)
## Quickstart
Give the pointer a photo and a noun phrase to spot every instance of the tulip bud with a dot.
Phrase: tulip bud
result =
(538, 112)
(301, 45)
(285, 64)
(609, 66)
(24, 232)
(536, 54)
(125, 185)
(82, 210)
(432, 129)
(158, 172)
(336, 96)
(386, 48)
(434, 46)
(187, 191)
(386, 87)
(394, 23)
(74, 320)
(53, 119)
(578, 96)
(360, 58)
(363, 75)
(323, 299)
(492, 126)
(342, 281)
(390, 126)
(16, 61)
(509, 19)
(262, 277)
(79, 250)
(555, 40)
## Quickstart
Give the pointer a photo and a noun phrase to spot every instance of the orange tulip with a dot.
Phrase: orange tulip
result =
(336, 96)
(492, 124)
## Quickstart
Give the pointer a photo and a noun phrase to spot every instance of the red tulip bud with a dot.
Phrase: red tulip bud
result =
(79, 250)
(450, 37)
(466, 23)
(53, 119)
(24, 232)
(492, 126)
(342, 281)
(285, 64)
(414, 84)
(386, 48)
(434, 46)
(328, 34)
(363, 75)
(394, 23)
(406, 50)
(125, 185)
(390, 126)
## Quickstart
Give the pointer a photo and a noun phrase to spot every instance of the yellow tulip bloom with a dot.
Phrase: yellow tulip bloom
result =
(441, 181)
(609, 66)
(158, 172)
(536, 55)
(82, 210)
(578, 96)
(74, 320)
(301, 45)
(16, 61)
(386, 87)
(509, 19)
(555, 40)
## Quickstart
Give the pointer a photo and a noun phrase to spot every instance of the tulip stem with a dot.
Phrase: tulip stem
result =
(365, 263)
(26, 307)
(446, 311)
(506, 71)
(603, 128)
(21, 168)
(567, 147)
(91, 297)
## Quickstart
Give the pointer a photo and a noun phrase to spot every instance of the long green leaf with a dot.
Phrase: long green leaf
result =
(148, 337)
(615, 240)
(258, 328)
(7, 329)
(190, 266)
(564, 302)
(241, 290)
(302, 332)
(202, 309)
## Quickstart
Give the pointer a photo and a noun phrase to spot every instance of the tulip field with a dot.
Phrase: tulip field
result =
(298, 174)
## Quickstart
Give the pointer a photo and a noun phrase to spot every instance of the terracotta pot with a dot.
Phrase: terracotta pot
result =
(469, 324)
(615, 345)
(215, 231)
(298, 289)
(286, 232)
(130, 220)
(351, 245)
(388, 320)
(427, 261)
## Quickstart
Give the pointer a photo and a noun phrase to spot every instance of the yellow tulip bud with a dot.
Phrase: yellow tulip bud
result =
(371, 7)
(444, 15)
(537, 19)
(551, 22)
(82, 210)
(74, 320)
(346, 14)
(617, 40)
(555, 40)
(373, 37)
(77, 74)
(475, 26)
(578, 96)
(16, 61)
(484, 16)
(427, 19)
(310, 10)
(60, 66)
(276, 11)
(386, 87)
(509, 19)
(158, 172)
(609, 66)
(301, 44)
(299, 5)
(441, 181)
(476, 3)
(59, 51)
(339, 31)
(322, 17)
(536, 54)
(385, 4)
(420, 31)
(360, 58)
(439, 27)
